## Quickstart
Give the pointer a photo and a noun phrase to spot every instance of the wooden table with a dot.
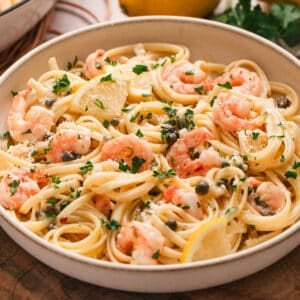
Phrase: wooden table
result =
(24, 277)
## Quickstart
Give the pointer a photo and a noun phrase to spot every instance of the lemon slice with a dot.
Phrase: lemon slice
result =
(102, 97)
(140, 88)
(208, 241)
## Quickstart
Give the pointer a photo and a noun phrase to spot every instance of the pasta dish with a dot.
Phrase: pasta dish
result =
(139, 155)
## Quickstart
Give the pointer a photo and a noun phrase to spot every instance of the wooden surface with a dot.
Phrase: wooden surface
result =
(24, 277)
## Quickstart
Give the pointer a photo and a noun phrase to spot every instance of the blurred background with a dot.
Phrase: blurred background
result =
(278, 21)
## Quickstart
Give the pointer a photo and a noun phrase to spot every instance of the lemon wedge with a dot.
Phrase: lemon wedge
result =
(208, 241)
(102, 97)
(140, 88)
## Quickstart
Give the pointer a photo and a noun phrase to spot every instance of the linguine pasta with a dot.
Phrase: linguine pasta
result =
(124, 156)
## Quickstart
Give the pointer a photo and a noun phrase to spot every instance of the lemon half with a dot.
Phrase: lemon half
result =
(103, 99)
(208, 241)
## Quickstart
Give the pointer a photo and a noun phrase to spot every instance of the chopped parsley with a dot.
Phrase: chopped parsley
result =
(62, 86)
(190, 72)
(107, 78)
(171, 112)
(282, 158)
(86, 168)
(162, 174)
(296, 165)
(52, 200)
(111, 225)
(170, 103)
(75, 193)
(125, 110)
(14, 186)
(123, 166)
(34, 153)
(133, 118)
(71, 65)
(200, 89)
(154, 66)
(291, 174)
(99, 104)
(229, 211)
(111, 62)
(106, 123)
(212, 101)
(156, 254)
(185, 206)
(139, 69)
(172, 58)
(163, 62)
(225, 85)
(137, 162)
(6, 135)
(47, 149)
(56, 181)
(139, 133)
(255, 135)
(251, 226)
(146, 95)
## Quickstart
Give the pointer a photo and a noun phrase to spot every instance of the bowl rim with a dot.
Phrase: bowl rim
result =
(13, 7)
(4, 215)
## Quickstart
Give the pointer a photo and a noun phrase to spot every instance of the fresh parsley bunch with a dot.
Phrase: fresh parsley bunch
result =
(282, 22)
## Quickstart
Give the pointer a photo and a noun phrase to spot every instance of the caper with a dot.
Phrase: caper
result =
(202, 187)
(155, 191)
(196, 155)
(68, 156)
(172, 138)
(49, 102)
(114, 122)
(51, 211)
(283, 101)
(225, 164)
(172, 224)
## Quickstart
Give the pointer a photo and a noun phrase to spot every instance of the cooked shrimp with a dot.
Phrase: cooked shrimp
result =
(188, 200)
(126, 148)
(69, 144)
(93, 64)
(184, 77)
(28, 126)
(189, 157)
(233, 114)
(266, 197)
(242, 80)
(141, 241)
(19, 185)
(103, 204)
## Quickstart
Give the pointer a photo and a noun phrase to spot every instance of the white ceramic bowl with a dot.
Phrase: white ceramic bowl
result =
(204, 38)
(20, 18)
